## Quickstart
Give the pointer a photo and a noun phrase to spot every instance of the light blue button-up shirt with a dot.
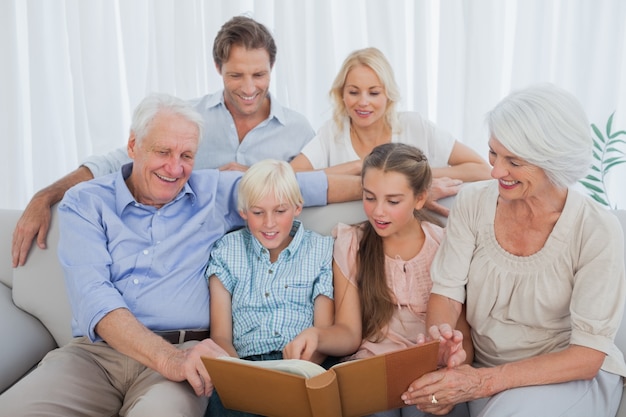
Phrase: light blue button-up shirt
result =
(281, 136)
(117, 253)
(272, 302)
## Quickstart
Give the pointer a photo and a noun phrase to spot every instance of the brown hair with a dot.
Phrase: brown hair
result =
(242, 31)
(377, 302)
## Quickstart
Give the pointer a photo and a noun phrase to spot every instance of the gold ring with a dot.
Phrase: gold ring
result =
(434, 400)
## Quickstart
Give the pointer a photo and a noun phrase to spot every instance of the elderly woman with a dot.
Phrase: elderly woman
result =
(540, 270)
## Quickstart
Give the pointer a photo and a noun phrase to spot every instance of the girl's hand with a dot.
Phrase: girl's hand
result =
(303, 346)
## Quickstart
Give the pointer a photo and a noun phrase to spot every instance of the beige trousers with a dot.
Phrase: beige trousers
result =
(93, 379)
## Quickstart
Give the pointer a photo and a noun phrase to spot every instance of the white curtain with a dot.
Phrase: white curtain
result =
(73, 70)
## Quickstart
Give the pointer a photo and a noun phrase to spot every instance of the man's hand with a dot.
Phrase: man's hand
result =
(35, 221)
(441, 188)
(233, 166)
(186, 365)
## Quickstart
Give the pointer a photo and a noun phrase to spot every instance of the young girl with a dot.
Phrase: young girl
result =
(272, 279)
(382, 267)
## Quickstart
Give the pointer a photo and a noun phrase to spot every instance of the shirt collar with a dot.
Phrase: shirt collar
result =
(276, 110)
(124, 198)
(297, 232)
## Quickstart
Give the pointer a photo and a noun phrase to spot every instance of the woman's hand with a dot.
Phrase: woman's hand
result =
(451, 352)
(439, 391)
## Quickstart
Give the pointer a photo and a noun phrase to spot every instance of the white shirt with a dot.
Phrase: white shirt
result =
(332, 146)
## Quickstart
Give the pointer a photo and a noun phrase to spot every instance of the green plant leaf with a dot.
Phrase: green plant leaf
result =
(611, 165)
(599, 199)
(598, 133)
(592, 178)
(616, 134)
(592, 187)
(596, 156)
(615, 150)
(597, 146)
(615, 142)
(609, 124)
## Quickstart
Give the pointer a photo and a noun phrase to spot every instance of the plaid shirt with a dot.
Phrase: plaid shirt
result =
(272, 302)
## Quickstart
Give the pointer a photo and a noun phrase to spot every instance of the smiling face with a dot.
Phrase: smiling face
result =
(517, 178)
(270, 221)
(364, 97)
(163, 159)
(246, 77)
(389, 201)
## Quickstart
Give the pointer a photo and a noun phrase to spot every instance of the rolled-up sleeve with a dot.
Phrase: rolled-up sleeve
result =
(86, 261)
(314, 187)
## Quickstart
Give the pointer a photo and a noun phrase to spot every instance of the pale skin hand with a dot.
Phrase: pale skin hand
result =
(233, 166)
(323, 317)
(343, 337)
(35, 220)
(451, 351)
(465, 383)
(222, 323)
(124, 333)
(441, 188)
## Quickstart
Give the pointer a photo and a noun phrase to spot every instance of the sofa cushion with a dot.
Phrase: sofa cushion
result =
(25, 341)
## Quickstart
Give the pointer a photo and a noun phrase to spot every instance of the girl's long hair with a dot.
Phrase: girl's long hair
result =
(377, 301)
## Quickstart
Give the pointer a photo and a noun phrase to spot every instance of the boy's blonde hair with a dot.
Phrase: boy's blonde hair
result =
(266, 177)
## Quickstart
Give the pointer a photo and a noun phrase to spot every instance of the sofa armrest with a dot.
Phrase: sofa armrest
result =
(25, 340)
(39, 287)
(8, 219)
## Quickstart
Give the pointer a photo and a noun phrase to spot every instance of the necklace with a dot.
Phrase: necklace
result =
(363, 148)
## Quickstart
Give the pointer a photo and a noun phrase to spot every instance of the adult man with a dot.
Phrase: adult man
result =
(246, 125)
(134, 246)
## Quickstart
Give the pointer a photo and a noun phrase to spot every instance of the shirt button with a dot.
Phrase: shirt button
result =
(286, 286)
(146, 251)
(267, 294)
(270, 271)
(276, 333)
(135, 281)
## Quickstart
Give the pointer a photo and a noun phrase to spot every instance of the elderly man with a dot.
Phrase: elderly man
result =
(245, 123)
(133, 247)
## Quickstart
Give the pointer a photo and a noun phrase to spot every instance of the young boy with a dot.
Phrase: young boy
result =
(271, 280)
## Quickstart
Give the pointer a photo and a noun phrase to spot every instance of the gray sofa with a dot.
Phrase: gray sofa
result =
(35, 314)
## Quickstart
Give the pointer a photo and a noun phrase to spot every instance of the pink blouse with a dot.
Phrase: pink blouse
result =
(409, 281)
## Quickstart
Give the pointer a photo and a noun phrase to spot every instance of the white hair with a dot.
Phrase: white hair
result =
(546, 126)
(154, 103)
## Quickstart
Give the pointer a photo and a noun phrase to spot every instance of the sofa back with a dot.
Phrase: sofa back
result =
(39, 288)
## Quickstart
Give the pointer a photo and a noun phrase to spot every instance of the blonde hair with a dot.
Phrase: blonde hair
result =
(267, 177)
(374, 59)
